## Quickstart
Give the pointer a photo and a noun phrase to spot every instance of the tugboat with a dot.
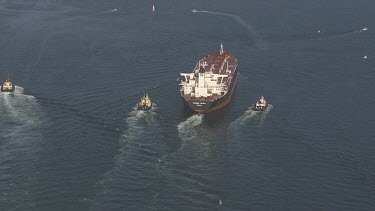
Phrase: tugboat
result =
(7, 86)
(144, 103)
(260, 105)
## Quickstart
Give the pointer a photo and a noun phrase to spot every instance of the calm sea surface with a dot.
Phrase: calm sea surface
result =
(71, 138)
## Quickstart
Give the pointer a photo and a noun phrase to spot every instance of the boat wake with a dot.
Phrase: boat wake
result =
(20, 107)
(20, 90)
(20, 141)
(244, 118)
(188, 133)
(259, 42)
(248, 116)
(320, 35)
(136, 124)
(265, 114)
(187, 129)
(105, 12)
(333, 34)
(139, 149)
(195, 142)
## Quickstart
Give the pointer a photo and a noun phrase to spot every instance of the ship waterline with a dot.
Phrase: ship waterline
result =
(211, 84)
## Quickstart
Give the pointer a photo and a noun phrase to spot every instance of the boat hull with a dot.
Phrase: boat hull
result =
(206, 106)
(263, 108)
(8, 90)
(144, 107)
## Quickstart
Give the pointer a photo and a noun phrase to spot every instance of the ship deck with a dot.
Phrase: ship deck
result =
(217, 63)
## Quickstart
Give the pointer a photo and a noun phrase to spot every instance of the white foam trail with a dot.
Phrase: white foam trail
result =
(105, 12)
(21, 139)
(134, 125)
(19, 90)
(244, 118)
(135, 128)
(186, 129)
(249, 115)
(259, 42)
(20, 107)
(140, 124)
(265, 114)
(187, 133)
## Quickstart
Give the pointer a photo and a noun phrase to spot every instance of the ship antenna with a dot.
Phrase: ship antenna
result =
(221, 49)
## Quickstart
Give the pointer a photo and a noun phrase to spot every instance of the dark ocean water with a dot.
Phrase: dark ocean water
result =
(71, 139)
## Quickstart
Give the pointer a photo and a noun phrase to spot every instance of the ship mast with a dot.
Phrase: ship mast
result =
(221, 49)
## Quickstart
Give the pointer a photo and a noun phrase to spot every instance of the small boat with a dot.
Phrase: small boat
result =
(260, 105)
(7, 86)
(144, 103)
(153, 8)
(194, 11)
(364, 29)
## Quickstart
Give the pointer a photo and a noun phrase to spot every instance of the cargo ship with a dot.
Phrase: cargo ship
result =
(211, 84)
